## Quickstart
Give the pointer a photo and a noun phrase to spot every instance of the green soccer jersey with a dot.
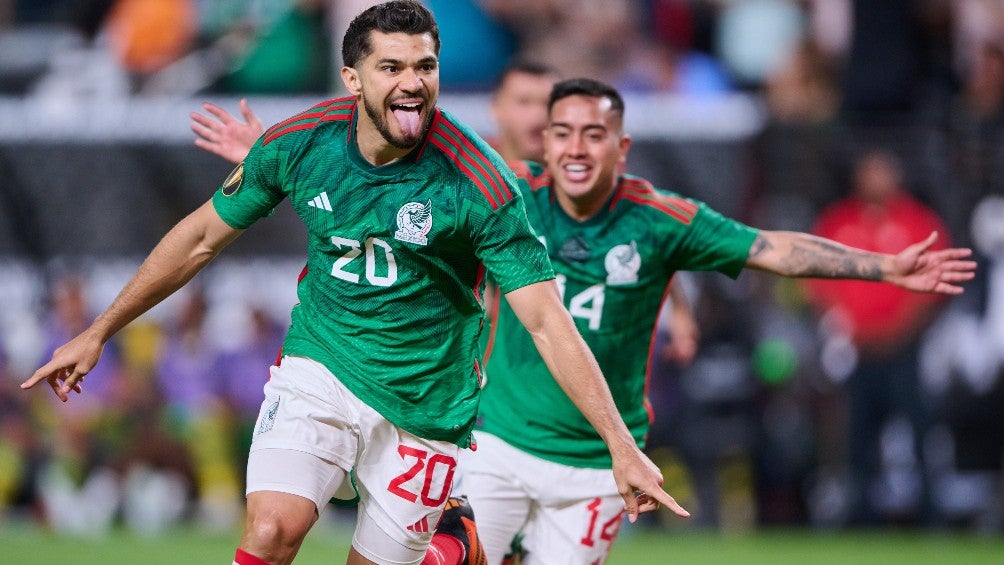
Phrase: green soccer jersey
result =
(391, 300)
(614, 272)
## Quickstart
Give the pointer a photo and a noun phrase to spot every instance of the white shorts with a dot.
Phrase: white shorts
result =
(566, 515)
(403, 480)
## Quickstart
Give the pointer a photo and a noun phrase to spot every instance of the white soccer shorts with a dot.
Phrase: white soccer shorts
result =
(567, 515)
(403, 481)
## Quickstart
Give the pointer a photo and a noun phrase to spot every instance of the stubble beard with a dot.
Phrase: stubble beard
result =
(378, 120)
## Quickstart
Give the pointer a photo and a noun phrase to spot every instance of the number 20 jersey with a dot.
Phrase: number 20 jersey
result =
(614, 271)
(391, 298)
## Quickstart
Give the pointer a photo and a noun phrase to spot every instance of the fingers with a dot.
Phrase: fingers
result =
(662, 497)
(43, 373)
(249, 116)
(203, 131)
(221, 114)
(61, 380)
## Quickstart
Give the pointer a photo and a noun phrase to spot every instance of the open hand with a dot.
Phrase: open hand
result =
(226, 136)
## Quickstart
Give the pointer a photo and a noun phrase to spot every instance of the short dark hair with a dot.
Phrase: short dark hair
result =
(404, 16)
(526, 67)
(586, 87)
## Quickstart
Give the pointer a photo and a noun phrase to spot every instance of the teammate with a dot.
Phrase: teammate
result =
(615, 242)
(519, 110)
(406, 211)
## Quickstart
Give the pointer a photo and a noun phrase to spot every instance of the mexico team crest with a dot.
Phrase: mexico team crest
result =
(623, 263)
(414, 221)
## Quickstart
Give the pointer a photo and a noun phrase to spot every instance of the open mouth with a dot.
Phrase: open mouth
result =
(409, 117)
(576, 172)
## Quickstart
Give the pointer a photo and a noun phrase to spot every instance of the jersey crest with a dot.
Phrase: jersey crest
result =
(414, 221)
(622, 263)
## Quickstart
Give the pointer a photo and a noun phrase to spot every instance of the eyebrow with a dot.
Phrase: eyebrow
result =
(400, 63)
(588, 127)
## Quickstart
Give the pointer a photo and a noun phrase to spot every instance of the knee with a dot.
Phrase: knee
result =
(276, 536)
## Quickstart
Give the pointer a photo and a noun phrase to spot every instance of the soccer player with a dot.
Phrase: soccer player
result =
(519, 109)
(615, 241)
(406, 211)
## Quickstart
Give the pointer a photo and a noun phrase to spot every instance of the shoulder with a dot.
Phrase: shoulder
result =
(534, 174)
(336, 110)
(472, 157)
(639, 193)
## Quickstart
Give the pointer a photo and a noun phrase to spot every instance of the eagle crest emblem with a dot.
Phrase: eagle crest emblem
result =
(622, 263)
(414, 221)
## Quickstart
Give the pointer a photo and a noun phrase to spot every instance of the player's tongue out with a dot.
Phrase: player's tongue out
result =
(409, 117)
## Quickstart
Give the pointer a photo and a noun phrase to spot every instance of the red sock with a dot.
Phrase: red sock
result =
(444, 550)
(244, 558)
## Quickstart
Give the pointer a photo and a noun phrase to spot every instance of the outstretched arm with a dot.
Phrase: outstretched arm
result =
(226, 136)
(182, 253)
(539, 308)
(916, 268)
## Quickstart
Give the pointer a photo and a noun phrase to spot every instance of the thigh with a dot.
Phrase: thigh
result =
(490, 477)
(404, 482)
(582, 532)
(306, 409)
(294, 472)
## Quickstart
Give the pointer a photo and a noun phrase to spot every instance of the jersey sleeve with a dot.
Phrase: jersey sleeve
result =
(714, 243)
(508, 247)
(252, 190)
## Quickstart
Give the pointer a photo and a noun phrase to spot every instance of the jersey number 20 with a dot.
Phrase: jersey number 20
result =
(353, 249)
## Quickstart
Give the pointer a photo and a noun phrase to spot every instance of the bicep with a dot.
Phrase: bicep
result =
(535, 303)
(210, 232)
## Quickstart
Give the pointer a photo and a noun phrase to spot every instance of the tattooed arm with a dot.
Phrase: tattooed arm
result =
(796, 254)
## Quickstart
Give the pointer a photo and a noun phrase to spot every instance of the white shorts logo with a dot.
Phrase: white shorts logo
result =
(414, 221)
(268, 418)
(622, 263)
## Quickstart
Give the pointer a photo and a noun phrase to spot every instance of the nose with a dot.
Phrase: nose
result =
(576, 145)
(410, 81)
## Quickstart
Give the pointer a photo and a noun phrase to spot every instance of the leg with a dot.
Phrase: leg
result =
(569, 534)
(286, 490)
(276, 524)
(502, 509)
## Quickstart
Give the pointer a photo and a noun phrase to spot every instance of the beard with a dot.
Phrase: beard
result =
(401, 142)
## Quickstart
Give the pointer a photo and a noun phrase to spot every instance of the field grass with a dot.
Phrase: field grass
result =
(328, 545)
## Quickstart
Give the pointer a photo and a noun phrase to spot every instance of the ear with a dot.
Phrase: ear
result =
(350, 78)
(623, 146)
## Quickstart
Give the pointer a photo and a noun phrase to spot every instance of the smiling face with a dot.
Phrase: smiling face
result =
(397, 83)
(584, 148)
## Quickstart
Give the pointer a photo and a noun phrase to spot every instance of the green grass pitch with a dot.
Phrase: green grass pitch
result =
(328, 545)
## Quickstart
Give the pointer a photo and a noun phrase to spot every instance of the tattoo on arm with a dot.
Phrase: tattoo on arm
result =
(820, 258)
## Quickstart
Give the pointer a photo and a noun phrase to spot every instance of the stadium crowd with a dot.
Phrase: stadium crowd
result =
(805, 405)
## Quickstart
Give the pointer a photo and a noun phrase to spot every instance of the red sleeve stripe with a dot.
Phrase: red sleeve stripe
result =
(309, 119)
(340, 102)
(643, 187)
(452, 152)
(495, 182)
(668, 205)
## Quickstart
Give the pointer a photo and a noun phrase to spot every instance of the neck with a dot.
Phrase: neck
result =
(375, 149)
(586, 206)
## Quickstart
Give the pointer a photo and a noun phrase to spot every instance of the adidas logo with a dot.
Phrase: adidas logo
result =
(421, 526)
(321, 201)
